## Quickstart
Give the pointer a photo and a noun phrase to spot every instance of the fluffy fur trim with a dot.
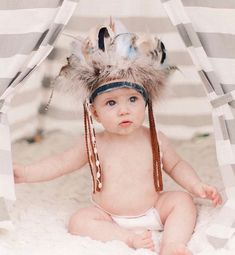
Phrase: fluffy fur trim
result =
(106, 56)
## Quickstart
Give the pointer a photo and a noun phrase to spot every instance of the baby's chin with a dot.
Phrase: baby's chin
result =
(124, 130)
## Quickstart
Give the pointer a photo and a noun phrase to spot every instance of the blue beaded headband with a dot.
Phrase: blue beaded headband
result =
(120, 84)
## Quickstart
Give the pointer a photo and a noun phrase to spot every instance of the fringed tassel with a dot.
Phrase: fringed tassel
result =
(50, 98)
(89, 154)
(92, 153)
(157, 173)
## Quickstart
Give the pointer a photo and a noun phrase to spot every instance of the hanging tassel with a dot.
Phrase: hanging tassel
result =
(92, 153)
(89, 154)
(157, 173)
(50, 98)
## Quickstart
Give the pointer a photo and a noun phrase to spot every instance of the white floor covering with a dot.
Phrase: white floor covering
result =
(41, 211)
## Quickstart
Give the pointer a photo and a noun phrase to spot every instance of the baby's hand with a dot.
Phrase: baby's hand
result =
(203, 190)
(19, 173)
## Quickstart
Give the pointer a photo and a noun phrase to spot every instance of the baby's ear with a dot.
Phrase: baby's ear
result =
(94, 113)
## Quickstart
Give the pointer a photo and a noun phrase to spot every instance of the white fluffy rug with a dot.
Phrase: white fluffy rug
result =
(41, 211)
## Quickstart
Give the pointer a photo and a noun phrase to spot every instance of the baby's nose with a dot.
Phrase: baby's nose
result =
(123, 109)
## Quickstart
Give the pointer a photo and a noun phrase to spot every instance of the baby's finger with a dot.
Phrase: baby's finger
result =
(216, 195)
(217, 200)
(211, 192)
(152, 248)
(149, 246)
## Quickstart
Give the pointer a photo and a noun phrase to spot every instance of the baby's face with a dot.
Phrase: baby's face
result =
(120, 111)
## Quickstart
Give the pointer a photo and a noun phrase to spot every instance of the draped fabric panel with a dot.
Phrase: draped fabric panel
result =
(208, 31)
(28, 30)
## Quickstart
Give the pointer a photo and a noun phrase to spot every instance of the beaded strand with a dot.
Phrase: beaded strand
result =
(94, 161)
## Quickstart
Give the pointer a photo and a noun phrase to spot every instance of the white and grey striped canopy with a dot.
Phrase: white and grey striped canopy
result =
(28, 30)
(208, 31)
(207, 28)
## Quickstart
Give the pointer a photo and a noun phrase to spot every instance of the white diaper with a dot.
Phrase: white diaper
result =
(149, 220)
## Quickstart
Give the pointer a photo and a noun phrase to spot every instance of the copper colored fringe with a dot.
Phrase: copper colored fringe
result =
(88, 126)
(157, 174)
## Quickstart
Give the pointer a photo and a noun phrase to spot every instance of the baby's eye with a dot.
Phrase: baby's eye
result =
(110, 103)
(133, 99)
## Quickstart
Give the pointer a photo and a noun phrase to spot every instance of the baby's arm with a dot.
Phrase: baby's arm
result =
(54, 166)
(183, 173)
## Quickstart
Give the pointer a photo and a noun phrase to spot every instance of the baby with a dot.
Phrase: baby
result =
(126, 157)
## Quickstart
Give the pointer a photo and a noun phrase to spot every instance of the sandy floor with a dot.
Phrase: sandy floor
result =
(42, 210)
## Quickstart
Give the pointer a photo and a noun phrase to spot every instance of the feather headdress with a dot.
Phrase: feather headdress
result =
(108, 54)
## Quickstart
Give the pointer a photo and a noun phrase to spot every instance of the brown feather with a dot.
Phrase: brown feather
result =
(93, 67)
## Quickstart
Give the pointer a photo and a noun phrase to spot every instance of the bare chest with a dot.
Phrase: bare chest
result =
(127, 178)
(126, 161)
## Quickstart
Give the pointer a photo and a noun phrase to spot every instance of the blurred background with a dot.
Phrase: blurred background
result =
(184, 113)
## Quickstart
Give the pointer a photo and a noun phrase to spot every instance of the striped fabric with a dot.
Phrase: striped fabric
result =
(184, 113)
(23, 111)
(28, 29)
(208, 31)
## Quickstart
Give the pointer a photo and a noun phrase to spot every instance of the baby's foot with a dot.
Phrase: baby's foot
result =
(143, 240)
(175, 249)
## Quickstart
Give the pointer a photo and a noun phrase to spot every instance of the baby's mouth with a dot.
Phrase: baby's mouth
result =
(125, 123)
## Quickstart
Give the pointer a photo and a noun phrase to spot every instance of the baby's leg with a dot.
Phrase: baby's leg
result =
(98, 225)
(178, 214)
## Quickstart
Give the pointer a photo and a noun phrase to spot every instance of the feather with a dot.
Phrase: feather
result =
(125, 45)
(104, 56)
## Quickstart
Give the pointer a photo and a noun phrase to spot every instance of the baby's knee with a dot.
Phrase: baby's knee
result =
(184, 199)
(82, 221)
